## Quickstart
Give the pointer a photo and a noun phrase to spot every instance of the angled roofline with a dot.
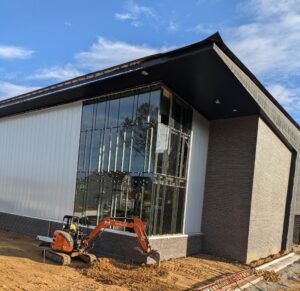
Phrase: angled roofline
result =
(219, 41)
(143, 63)
(138, 64)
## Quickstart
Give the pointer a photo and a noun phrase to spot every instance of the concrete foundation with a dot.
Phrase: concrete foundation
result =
(27, 226)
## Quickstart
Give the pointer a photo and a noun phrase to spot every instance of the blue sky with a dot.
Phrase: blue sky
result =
(44, 42)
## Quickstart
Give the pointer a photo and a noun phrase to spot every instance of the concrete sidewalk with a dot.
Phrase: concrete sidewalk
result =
(275, 266)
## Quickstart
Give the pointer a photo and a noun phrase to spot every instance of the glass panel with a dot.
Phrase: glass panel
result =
(126, 111)
(100, 115)
(92, 198)
(133, 200)
(128, 150)
(160, 204)
(165, 109)
(81, 152)
(95, 151)
(177, 114)
(143, 108)
(173, 155)
(187, 120)
(105, 150)
(154, 106)
(113, 113)
(80, 193)
(167, 209)
(87, 117)
(106, 196)
(146, 201)
(88, 139)
(151, 150)
(121, 147)
(120, 195)
(138, 149)
(113, 148)
(180, 211)
(185, 157)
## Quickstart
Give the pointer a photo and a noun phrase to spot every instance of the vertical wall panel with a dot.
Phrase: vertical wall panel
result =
(38, 162)
(269, 194)
(196, 174)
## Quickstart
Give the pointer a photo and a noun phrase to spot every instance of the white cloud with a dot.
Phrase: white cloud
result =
(124, 16)
(269, 45)
(105, 53)
(263, 9)
(8, 89)
(102, 54)
(134, 13)
(173, 26)
(202, 29)
(284, 96)
(56, 73)
(14, 52)
(287, 97)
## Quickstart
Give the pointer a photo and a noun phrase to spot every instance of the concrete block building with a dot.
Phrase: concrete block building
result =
(188, 140)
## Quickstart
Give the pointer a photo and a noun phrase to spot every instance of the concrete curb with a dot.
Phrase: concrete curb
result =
(276, 266)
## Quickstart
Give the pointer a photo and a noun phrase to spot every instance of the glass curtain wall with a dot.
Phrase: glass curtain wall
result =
(133, 159)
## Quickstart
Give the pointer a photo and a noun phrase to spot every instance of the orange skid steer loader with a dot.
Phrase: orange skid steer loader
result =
(70, 242)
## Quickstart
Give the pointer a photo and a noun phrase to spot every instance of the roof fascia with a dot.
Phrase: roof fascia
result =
(117, 71)
(278, 118)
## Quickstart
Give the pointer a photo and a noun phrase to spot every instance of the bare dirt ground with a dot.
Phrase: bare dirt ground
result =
(22, 268)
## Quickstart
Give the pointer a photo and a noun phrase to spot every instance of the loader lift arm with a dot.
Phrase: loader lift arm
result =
(137, 225)
(70, 242)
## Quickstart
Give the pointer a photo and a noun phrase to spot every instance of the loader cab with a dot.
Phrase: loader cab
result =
(70, 223)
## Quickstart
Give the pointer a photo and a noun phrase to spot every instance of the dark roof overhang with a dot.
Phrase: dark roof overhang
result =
(196, 72)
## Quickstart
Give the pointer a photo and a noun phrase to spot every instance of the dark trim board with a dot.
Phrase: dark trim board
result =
(288, 208)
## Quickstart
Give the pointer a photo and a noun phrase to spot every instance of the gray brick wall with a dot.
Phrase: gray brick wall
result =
(288, 130)
(270, 186)
(228, 186)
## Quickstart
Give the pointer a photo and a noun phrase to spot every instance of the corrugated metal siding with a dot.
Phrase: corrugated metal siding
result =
(38, 162)
(196, 174)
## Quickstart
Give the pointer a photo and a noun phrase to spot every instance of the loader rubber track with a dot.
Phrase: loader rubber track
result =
(87, 258)
(60, 258)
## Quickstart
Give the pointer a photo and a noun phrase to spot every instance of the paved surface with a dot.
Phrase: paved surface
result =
(280, 263)
(290, 280)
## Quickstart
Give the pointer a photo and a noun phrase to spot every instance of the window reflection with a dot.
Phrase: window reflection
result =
(132, 160)
(101, 111)
(87, 117)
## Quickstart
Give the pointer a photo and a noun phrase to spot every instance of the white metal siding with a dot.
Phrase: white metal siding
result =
(196, 174)
(38, 162)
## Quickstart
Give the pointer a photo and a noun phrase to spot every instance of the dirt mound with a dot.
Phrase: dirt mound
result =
(113, 272)
(268, 276)
(23, 268)
(265, 260)
(176, 274)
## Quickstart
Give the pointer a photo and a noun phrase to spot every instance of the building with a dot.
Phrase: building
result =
(189, 140)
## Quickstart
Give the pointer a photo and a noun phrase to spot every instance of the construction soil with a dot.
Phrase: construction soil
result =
(23, 268)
